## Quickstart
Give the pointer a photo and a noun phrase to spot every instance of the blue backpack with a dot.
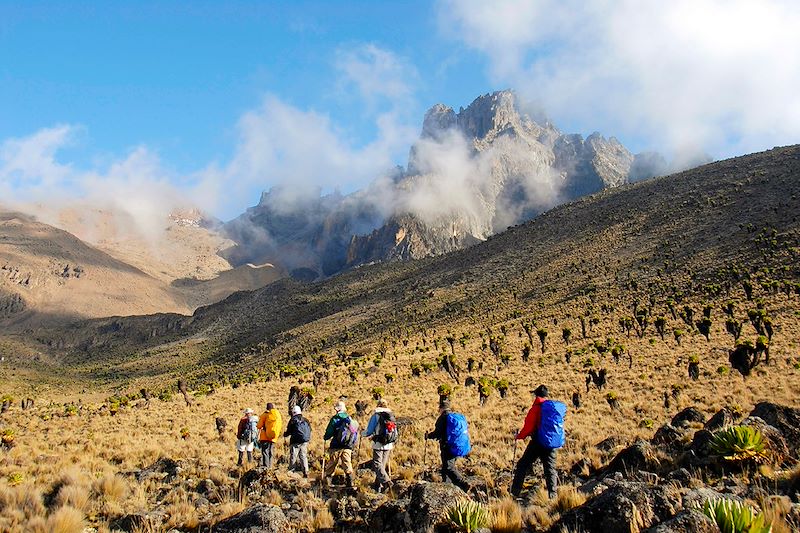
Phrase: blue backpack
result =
(551, 427)
(457, 435)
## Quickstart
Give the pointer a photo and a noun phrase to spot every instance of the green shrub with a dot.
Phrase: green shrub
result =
(731, 516)
(468, 516)
(739, 443)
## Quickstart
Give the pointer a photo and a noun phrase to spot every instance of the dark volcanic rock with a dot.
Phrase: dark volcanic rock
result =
(391, 516)
(639, 456)
(784, 419)
(687, 521)
(429, 504)
(608, 444)
(163, 467)
(690, 414)
(697, 497)
(346, 508)
(723, 417)
(700, 443)
(668, 436)
(259, 518)
(151, 521)
(622, 508)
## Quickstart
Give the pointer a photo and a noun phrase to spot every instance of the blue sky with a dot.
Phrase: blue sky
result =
(219, 102)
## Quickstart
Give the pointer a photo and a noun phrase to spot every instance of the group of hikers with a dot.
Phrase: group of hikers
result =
(544, 424)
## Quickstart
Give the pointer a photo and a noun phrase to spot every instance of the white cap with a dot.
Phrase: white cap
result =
(248, 411)
(339, 406)
(296, 410)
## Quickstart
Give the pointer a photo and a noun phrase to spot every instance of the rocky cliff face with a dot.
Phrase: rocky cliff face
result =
(471, 174)
(526, 166)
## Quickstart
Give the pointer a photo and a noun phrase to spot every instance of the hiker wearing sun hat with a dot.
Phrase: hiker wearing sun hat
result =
(246, 434)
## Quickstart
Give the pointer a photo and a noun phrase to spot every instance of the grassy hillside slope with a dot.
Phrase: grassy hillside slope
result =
(694, 235)
(647, 283)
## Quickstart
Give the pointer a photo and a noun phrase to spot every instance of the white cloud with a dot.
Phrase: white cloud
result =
(722, 75)
(379, 76)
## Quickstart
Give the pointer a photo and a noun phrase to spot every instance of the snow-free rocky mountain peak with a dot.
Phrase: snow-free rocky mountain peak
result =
(471, 174)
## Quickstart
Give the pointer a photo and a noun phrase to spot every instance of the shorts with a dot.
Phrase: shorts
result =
(244, 446)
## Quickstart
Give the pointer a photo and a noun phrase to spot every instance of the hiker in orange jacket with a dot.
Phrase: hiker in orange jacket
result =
(270, 425)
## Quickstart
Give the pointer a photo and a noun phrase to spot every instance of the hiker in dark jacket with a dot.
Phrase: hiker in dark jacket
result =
(449, 470)
(380, 450)
(535, 450)
(299, 432)
(339, 455)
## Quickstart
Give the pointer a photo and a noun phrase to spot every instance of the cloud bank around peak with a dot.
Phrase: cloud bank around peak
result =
(719, 75)
(298, 151)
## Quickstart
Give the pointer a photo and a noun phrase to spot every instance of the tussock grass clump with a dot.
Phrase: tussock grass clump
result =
(76, 496)
(731, 516)
(323, 520)
(568, 498)
(111, 488)
(468, 516)
(182, 515)
(66, 520)
(506, 516)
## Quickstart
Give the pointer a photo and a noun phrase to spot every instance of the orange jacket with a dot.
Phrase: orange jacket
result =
(270, 425)
(532, 420)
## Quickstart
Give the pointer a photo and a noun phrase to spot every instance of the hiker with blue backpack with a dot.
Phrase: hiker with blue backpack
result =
(544, 424)
(451, 432)
(342, 431)
(299, 432)
(382, 427)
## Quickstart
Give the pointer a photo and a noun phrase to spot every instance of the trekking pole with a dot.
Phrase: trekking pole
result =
(515, 453)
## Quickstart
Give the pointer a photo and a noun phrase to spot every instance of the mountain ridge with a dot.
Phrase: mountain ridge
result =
(687, 232)
(470, 175)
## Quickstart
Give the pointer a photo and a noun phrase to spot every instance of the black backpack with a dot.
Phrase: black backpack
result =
(302, 430)
(386, 430)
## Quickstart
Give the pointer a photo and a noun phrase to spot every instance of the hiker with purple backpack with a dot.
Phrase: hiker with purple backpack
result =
(342, 431)
(545, 425)
(451, 432)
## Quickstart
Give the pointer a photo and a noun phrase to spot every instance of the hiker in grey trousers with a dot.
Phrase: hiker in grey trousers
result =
(380, 451)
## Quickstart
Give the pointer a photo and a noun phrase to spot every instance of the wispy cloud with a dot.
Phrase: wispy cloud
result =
(721, 75)
(278, 144)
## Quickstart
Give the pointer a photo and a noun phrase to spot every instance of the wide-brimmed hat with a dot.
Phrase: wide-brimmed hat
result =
(248, 411)
(541, 391)
(296, 410)
(339, 406)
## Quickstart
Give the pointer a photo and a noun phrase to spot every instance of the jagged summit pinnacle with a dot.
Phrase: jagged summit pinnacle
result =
(472, 173)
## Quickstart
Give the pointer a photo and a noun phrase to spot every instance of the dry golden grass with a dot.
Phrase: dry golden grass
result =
(505, 516)
(84, 461)
(568, 498)
(323, 520)
(66, 520)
